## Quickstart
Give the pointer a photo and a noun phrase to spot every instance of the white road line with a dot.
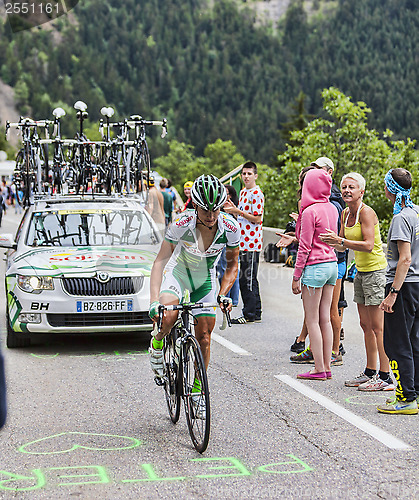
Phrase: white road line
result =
(374, 431)
(226, 343)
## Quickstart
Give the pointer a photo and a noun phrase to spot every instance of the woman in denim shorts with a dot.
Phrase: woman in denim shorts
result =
(316, 268)
(360, 231)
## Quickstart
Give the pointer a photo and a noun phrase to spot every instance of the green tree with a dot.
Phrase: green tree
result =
(176, 163)
(344, 137)
(269, 182)
(21, 92)
(297, 118)
(181, 165)
(6, 146)
(222, 157)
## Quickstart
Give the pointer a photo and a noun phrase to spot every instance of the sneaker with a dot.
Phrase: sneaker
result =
(258, 320)
(342, 349)
(304, 357)
(399, 407)
(357, 381)
(156, 361)
(298, 346)
(336, 359)
(199, 408)
(241, 320)
(377, 384)
(393, 399)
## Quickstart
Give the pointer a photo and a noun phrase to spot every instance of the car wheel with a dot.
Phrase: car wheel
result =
(14, 339)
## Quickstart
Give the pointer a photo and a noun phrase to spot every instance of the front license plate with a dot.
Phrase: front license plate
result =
(105, 305)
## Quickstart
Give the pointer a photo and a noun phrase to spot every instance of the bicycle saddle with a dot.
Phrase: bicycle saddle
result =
(80, 106)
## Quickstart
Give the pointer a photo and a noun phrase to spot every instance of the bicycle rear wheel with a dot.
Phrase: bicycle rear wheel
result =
(171, 384)
(26, 167)
(113, 181)
(196, 394)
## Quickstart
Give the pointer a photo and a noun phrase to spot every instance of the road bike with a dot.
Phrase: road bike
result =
(84, 162)
(185, 375)
(114, 156)
(31, 160)
(115, 166)
(139, 155)
(56, 176)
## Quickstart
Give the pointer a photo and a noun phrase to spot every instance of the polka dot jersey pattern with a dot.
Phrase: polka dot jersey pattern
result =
(251, 201)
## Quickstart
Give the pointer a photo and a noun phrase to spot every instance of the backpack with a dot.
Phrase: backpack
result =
(272, 253)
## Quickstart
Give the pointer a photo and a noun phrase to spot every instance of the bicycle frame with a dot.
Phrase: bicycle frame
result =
(30, 152)
(185, 373)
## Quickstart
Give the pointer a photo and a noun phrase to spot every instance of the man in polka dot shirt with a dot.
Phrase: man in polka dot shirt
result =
(249, 214)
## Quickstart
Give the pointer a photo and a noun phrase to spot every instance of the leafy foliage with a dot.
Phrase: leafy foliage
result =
(181, 165)
(344, 137)
(212, 71)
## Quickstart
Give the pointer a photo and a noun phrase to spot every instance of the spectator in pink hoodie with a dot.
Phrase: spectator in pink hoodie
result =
(316, 268)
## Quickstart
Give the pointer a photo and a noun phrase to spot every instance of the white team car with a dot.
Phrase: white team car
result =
(79, 266)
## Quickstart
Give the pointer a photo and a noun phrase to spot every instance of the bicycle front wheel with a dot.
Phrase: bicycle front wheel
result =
(171, 384)
(196, 394)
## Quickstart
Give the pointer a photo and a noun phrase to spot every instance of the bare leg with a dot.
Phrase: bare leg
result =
(203, 331)
(304, 333)
(369, 336)
(326, 325)
(169, 317)
(377, 325)
(311, 304)
(335, 318)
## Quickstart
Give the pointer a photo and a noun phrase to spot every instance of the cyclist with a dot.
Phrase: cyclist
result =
(187, 260)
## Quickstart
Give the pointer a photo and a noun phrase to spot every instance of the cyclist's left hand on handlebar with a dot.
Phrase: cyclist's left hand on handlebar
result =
(222, 299)
(154, 309)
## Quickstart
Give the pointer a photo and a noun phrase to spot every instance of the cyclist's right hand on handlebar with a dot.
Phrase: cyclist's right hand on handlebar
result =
(225, 302)
(154, 309)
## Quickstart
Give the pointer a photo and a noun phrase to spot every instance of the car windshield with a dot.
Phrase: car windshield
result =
(90, 227)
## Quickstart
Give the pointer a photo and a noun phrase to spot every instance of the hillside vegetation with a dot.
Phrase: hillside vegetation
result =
(215, 72)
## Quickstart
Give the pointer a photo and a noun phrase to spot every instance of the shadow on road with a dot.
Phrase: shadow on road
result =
(93, 344)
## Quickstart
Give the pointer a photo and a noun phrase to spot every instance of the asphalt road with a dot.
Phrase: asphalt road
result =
(87, 421)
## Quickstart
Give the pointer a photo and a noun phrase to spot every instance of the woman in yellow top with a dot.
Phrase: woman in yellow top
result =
(360, 231)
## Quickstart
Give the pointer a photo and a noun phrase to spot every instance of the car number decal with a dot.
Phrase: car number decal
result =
(85, 211)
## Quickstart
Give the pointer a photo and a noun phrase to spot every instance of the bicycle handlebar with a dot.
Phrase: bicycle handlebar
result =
(137, 120)
(197, 305)
(57, 140)
(27, 122)
(188, 306)
(115, 124)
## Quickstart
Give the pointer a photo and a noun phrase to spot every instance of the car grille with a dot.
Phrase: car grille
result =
(99, 320)
(91, 287)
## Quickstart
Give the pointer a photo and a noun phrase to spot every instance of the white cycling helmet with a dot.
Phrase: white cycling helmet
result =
(208, 193)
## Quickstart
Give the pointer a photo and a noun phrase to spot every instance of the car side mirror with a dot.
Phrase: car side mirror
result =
(7, 241)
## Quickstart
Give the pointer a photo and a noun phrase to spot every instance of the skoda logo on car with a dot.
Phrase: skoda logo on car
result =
(103, 277)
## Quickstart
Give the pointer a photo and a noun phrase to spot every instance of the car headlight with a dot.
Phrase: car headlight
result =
(35, 284)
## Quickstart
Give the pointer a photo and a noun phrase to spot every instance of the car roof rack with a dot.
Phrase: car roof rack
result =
(61, 199)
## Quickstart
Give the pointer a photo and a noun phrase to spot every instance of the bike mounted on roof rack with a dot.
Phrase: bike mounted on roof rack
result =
(119, 165)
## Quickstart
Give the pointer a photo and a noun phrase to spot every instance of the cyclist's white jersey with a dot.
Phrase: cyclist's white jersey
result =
(188, 266)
